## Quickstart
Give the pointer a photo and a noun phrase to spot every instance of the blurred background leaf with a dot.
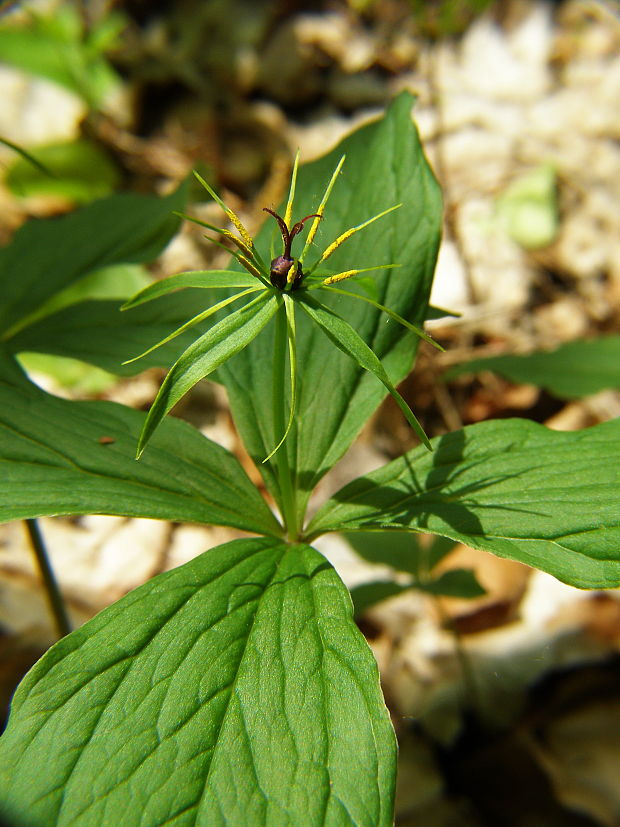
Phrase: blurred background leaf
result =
(78, 171)
(410, 554)
(58, 47)
(571, 371)
(528, 210)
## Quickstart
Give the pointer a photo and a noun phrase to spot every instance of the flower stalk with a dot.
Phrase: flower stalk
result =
(288, 505)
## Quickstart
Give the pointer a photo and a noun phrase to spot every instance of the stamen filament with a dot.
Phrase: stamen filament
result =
(417, 330)
(193, 321)
(221, 231)
(243, 261)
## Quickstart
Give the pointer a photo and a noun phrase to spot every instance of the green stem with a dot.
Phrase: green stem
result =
(278, 396)
(50, 584)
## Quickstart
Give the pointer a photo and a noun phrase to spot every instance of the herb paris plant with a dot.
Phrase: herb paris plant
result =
(236, 689)
(277, 290)
(281, 288)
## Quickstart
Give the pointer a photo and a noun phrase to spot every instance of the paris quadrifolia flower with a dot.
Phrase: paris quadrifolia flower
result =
(286, 285)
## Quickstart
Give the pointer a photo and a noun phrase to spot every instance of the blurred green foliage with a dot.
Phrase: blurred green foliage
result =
(441, 18)
(528, 209)
(62, 49)
(407, 555)
(79, 171)
(574, 370)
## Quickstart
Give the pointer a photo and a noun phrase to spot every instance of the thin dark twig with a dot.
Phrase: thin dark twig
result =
(470, 684)
(50, 584)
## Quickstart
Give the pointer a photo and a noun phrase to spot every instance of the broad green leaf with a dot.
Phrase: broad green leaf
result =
(571, 371)
(81, 378)
(446, 19)
(198, 319)
(405, 553)
(398, 549)
(98, 333)
(217, 345)
(367, 595)
(514, 488)
(439, 548)
(346, 339)
(61, 457)
(79, 171)
(197, 278)
(401, 550)
(460, 583)
(118, 281)
(235, 689)
(48, 255)
(440, 313)
(384, 166)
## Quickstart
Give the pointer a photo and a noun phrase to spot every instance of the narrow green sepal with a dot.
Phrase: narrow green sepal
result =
(206, 279)
(194, 321)
(414, 328)
(350, 343)
(217, 345)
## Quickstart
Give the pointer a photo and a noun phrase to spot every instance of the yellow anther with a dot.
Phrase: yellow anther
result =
(335, 244)
(346, 274)
(240, 228)
(292, 273)
(346, 235)
(291, 193)
(321, 208)
(237, 241)
(314, 227)
(231, 215)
